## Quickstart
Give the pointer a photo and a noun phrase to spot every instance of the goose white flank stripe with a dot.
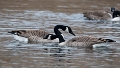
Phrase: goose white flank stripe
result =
(116, 19)
(21, 39)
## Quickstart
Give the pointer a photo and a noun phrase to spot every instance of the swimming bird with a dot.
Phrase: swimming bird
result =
(36, 36)
(106, 14)
(81, 41)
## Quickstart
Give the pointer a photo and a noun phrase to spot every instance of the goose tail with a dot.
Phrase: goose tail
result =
(11, 32)
(110, 40)
(106, 40)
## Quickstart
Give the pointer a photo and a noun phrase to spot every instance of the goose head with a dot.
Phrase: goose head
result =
(112, 9)
(64, 28)
(52, 37)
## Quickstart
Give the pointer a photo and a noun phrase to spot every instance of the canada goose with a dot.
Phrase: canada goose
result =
(81, 41)
(100, 14)
(28, 36)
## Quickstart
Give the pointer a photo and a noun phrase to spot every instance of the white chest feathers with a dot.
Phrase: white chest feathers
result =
(56, 40)
(116, 19)
(62, 43)
(21, 39)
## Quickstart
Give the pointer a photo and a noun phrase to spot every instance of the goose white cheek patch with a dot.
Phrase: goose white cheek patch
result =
(67, 30)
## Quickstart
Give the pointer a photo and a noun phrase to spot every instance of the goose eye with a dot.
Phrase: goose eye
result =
(67, 29)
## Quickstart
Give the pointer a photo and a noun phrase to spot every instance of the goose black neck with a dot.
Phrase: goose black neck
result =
(110, 40)
(59, 27)
(61, 39)
(116, 14)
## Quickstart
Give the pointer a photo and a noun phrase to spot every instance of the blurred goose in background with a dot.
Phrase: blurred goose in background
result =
(36, 36)
(106, 14)
(81, 41)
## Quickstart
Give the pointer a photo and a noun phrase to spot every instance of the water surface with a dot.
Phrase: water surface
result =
(45, 14)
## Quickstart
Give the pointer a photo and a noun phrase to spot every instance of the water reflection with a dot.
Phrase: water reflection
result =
(47, 56)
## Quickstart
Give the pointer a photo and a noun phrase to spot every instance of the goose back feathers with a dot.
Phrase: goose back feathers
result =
(86, 41)
(97, 15)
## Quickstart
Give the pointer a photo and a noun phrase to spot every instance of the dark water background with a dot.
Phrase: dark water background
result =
(45, 14)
